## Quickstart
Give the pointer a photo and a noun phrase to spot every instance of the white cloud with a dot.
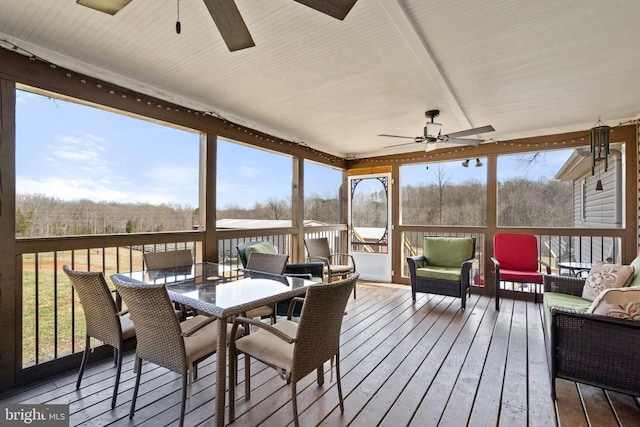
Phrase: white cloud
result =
(87, 149)
(249, 172)
(172, 175)
(70, 189)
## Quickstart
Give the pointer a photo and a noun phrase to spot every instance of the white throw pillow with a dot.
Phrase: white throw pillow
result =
(622, 303)
(604, 276)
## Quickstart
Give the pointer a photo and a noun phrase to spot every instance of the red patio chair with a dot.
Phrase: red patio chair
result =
(515, 259)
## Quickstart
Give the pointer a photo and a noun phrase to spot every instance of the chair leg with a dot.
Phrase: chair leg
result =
(85, 356)
(294, 404)
(339, 383)
(118, 370)
(195, 371)
(233, 381)
(115, 356)
(138, 368)
(184, 396)
(247, 377)
(320, 375)
(354, 291)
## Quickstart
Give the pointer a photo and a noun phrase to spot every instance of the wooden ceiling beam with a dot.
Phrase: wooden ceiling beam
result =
(625, 133)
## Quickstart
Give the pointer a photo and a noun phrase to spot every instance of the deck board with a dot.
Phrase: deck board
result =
(426, 363)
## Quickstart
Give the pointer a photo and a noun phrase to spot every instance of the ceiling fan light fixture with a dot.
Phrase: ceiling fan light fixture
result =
(107, 6)
(432, 130)
(465, 164)
(478, 163)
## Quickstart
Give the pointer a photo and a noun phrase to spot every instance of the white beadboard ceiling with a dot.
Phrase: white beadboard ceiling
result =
(526, 67)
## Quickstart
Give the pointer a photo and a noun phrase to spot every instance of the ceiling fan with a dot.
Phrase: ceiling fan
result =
(432, 133)
(227, 18)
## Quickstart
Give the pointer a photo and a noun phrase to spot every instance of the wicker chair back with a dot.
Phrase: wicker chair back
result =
(168, 259)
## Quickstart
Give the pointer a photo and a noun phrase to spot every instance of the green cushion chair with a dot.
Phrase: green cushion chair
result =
(444, 267)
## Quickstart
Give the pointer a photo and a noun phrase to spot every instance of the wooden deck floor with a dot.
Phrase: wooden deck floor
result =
(421, 364)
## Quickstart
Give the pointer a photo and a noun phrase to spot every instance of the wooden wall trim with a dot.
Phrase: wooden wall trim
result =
(297, 209)
(397, 247)
(10, 285)
(210, 212)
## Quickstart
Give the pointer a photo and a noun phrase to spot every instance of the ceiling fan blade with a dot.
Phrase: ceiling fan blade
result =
(462, 141)
(107, 6)
(474, 131)
(399, 136)
(232, 28)
(401, 145)
(338, 9)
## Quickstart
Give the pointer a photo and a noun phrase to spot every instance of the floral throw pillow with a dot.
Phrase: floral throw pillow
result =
(622, 303)
(604, 276)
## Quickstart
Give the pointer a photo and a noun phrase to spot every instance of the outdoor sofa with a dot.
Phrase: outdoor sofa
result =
(594, 342)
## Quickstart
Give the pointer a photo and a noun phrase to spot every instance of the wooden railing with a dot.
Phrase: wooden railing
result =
(578, 245)
(51, 320)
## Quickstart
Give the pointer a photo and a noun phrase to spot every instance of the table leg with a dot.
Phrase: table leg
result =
(221, 371)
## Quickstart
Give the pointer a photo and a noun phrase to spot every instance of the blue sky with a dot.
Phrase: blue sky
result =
(78, 152)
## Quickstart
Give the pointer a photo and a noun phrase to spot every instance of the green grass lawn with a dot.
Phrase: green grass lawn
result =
(51, 311)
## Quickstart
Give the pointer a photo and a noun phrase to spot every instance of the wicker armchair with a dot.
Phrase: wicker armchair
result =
(266, 263)
(444, 267)
(103, 320)
(161, 338)
(593, 349)
(335, 264)
(295, 349)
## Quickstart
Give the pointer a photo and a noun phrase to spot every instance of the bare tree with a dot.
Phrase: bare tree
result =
(277, 209)
(442, 183)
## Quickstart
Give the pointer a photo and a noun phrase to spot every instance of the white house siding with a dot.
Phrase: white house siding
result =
(599, 213)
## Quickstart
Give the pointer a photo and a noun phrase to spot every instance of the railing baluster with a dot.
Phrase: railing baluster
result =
(37, 308)
(55, 304)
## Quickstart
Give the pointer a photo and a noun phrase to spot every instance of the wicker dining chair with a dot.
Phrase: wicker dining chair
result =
(163, 340)
(167, 259)
(170, 259)
(335, 264)
(104, 321)
(266, 263)
(295, 349)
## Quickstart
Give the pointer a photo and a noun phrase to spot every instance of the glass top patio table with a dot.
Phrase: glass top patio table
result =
(222, 291)
(575, 268)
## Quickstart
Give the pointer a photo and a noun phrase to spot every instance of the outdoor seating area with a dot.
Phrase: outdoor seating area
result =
(305, 213)
(401, 363)
(592, 327)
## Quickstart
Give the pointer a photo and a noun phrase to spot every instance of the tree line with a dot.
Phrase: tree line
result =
(39, 215)
(521, 202)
